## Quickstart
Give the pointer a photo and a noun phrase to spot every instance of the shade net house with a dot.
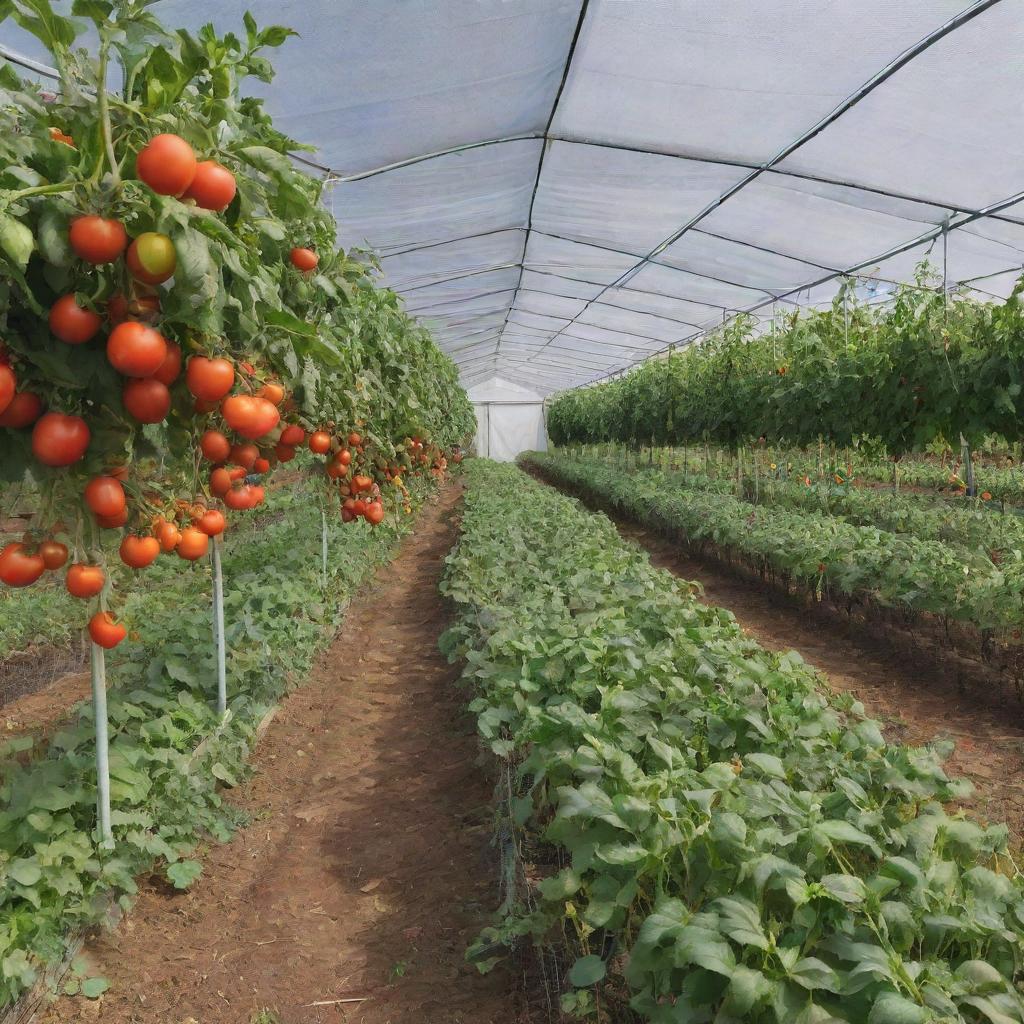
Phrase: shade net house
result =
(560, 189)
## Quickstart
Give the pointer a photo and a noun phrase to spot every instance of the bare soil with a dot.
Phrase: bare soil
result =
(367, 868)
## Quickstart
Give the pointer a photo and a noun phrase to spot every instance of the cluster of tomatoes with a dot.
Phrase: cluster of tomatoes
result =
(360, 474)
(150, 365)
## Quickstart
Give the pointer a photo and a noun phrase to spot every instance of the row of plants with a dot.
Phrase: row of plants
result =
(738, 845)
(175, 317)
(926, 365)
(969, 524)
(819, 552)
(54, 875)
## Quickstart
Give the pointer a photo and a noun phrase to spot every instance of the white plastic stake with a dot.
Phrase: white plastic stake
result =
(323, 529)
(99, 711)
(218, 628)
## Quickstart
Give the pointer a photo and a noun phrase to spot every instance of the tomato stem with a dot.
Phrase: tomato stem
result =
(104, 110)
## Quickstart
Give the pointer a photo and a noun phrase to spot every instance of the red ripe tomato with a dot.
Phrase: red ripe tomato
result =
(237, 473)
(53, 553)
(170, 369)
(347, 515)
(211, 522)
(203, 406)
(105, 632)
(209, 379)
(284, 452)
(168, 535)
(345, 457)
(97, 240)
(304, 259)
(135, 349)
(358, 507)
(8, 387)
(84, 580)
(146, 400)
(213, 186)
(354, 440)
(113, 522)
(320, 442)
(244, 455)
(238, 498)
(374, 513)
(167, 164)
(361, 483)
(59, 440)
(18, 568)
(272, 392)
(258, 494)
(118, 472)
(138, 552)
(292, 435)
(151, 258)
(193, 544)
(71, 323)
(215, 446)
(105, 496)
(250, 416)
(334, 470)
(261, 466)
(220, 482)
(22, 410)
(143, 307)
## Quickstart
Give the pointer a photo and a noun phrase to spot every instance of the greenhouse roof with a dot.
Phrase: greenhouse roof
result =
(561, 188)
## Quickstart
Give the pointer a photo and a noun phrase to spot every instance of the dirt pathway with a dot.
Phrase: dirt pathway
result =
(915, 703)
(367, 869)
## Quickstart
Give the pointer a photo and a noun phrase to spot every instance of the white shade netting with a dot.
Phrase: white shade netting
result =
(560, 189)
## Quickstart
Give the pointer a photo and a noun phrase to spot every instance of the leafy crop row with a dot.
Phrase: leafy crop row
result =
(919, 368)
(52, 871)
(968, 524)
(741, 847)
(820, 551)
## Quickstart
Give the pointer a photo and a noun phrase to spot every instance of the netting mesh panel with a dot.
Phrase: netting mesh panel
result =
(572, 259)
(732, 78)
(947, 127)
(700, 251)
(684, 312)
(467, 193)
(683, 285)
(558, 284)
(547, 304)
(631, 324)
(821, 224)
(624, 200)
(440, 262)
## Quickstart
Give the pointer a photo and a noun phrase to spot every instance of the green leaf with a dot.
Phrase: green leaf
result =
(38, 17)
(16, 240)
(25, 871)
(890, 1008)
(586, 971)
(183, 873)
(93, 988)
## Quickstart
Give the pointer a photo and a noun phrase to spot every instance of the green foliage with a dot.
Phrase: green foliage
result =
(916, 369)
(164, 797)
(815, 549)
(754, 847)
(344, 348)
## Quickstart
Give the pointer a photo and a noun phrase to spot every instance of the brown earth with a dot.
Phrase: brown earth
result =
(367, 868)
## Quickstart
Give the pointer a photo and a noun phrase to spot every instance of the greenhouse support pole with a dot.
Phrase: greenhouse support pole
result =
(99, 712)
(323, 545)
(218, 628)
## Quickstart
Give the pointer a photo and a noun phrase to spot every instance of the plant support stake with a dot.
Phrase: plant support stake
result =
(323, 544)
(99, 713)
(218, 628)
